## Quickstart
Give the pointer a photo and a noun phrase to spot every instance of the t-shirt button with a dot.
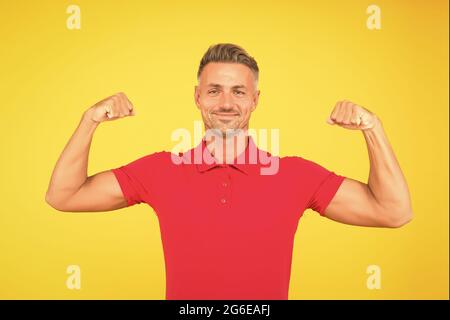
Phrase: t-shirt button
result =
(224, 184)
(223, 200)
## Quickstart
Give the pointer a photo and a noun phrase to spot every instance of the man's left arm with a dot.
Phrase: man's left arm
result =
(385, 200)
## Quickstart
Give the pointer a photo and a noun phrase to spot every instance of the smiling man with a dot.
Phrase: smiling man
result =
(227, 230)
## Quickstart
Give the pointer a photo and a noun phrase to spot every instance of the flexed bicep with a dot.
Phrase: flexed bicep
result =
(354, 204)
(100, 192)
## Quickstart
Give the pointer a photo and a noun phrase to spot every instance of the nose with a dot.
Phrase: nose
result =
(227, 101)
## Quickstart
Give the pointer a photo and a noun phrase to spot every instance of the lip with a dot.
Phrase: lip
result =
(225, 115)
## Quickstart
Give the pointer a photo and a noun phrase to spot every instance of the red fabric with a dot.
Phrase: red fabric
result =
(227, 231)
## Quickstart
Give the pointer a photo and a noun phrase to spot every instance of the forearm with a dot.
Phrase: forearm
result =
(70, 171)
(386, 180)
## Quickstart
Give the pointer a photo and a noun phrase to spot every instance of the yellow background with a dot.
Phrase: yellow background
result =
(310, 53)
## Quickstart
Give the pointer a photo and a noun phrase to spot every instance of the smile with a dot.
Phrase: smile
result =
(225, 115)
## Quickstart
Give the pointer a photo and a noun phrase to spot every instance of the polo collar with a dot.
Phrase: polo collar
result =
(247, 165)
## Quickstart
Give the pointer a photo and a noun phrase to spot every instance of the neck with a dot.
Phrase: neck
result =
(226, 148)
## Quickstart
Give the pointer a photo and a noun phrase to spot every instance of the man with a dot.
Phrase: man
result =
(228, 230)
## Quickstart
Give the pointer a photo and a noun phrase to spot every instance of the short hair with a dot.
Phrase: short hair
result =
(228, 52)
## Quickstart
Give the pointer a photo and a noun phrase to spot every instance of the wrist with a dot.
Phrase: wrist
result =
(376, 124)
(374, 133)
(88, 118)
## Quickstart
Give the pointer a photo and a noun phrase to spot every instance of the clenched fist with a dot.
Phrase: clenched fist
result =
(352, 116)
(111, 108)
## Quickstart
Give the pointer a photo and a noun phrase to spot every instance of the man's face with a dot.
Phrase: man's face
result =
(226, 96)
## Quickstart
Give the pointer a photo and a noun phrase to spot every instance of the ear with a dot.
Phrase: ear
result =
(255, 100)
(197, 96)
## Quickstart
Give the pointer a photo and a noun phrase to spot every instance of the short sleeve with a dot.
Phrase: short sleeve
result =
(139, 177)
(323, 186)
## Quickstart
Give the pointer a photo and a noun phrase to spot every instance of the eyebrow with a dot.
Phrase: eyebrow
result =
(215, 85)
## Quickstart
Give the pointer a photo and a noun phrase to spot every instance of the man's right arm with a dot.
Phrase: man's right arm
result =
(70, 188)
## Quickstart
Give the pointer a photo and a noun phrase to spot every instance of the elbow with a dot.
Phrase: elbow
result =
(54, 203)
(399, 220)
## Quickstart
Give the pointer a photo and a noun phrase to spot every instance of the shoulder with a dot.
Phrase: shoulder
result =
(295, 162)
(152, 160)
(298, 164)
(154, 156)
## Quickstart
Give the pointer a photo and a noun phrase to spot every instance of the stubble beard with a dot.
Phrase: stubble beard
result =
(231, 127)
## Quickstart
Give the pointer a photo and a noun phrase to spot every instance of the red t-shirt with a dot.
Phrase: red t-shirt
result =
(227, 230)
